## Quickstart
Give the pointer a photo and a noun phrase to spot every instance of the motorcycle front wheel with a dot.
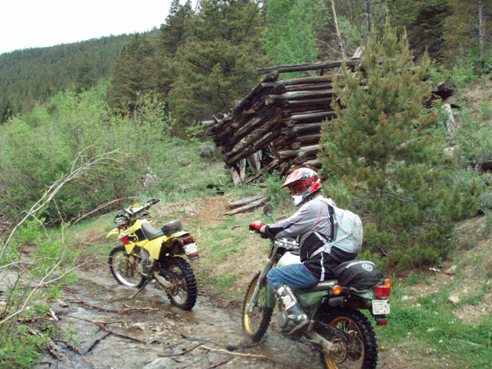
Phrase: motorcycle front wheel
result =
(184, 291)
(256, 321)
(360, 350)
(125, 268)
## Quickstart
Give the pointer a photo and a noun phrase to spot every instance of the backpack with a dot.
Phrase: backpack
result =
(347, 230)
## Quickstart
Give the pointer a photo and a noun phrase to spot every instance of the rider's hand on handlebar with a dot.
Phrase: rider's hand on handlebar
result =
(257, 226)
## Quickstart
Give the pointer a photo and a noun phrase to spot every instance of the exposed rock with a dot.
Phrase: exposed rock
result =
(160, 363)
(454, 299)
(451, 270)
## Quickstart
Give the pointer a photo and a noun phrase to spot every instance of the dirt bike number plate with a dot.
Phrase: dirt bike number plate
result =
(380, 307)
(191, 248)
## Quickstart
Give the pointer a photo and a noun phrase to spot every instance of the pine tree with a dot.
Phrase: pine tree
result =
(134, 75)
(217, 63)
(424, 22)
(290, 35)
(86, 76)
(173, 33)
(385, 149)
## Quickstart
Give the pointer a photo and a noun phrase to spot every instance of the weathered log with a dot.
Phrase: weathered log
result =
(298, 81)
(307, 67)
(245, 200)
(253, 148)
(303, 151)
(309, 117)
(295, 95)
(307, 87)
(303, 129)
(247, 207)
(325, 101)
(272, 165)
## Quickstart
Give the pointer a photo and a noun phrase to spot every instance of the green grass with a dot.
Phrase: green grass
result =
(465, 345)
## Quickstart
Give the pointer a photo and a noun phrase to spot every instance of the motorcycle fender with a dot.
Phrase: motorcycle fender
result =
(114, 232)
(129, 248)
(178, 234)
(154, 247)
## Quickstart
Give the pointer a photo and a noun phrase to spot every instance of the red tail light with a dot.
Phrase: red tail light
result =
(189, 239)
(124, 240)
(383, 291)
(381, 322)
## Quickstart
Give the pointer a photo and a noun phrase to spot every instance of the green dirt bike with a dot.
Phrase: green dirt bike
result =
(338, 329)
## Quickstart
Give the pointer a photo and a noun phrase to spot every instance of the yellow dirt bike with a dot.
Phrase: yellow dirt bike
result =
(148, 254)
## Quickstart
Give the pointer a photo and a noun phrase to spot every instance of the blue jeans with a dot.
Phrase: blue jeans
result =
(293, 275)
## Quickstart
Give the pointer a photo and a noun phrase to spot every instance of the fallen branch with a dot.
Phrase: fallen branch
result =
(72, 222)
(185, 351)
(234, 353)
(94, 344)
(109, 310)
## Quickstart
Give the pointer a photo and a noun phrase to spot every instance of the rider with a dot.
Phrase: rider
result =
(313, 224)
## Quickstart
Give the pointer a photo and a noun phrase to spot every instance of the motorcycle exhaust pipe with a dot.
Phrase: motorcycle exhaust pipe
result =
(163, 281)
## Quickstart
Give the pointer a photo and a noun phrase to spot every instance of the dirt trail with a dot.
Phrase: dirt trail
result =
(107, 333)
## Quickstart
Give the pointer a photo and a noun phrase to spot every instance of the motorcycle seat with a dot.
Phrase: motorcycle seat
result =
(150, 232)
(322, 286)
(171, 227)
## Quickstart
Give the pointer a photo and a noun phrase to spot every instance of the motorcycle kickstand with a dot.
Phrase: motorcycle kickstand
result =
(146, 282)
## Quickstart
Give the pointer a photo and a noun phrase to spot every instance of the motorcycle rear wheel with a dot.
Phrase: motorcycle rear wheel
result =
(125, 268)
(184, 292)
(255, 323)
(361, 350)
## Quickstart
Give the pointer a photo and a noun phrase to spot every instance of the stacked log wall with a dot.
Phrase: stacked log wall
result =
(278, 125)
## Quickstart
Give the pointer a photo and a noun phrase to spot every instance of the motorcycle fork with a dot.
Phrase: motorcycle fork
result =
(261, 280)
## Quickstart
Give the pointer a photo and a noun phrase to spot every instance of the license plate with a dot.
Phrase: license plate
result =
(191, 248)
(380, 307)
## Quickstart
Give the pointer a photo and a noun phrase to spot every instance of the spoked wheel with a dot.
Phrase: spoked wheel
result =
(360, 350)
(125, 268)
(256, 319)
(184, 291)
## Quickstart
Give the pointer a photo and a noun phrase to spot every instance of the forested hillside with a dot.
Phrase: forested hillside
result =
(29, 77)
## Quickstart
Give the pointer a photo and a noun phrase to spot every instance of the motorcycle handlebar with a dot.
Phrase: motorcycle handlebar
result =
(151, 202)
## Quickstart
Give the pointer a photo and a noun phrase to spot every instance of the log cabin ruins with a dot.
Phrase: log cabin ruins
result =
(277, 126)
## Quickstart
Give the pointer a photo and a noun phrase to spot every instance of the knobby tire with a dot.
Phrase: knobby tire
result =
(264, 311)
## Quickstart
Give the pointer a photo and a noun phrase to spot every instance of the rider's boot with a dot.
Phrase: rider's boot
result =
(293, 318)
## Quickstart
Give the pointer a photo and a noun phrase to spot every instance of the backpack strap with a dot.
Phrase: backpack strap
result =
(331, 212)
(327, 243)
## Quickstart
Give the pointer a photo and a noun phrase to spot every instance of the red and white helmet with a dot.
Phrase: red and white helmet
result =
(302, 183)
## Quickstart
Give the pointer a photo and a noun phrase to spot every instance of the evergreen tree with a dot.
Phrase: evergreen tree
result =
(86, 76)
(386, 151)
(173, 33)
(468, 21)
(134, 75)
(290, 35)
(423, 21)
(175, 29)
(217, 63)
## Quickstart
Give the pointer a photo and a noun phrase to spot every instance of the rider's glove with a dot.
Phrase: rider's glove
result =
(256, 226)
